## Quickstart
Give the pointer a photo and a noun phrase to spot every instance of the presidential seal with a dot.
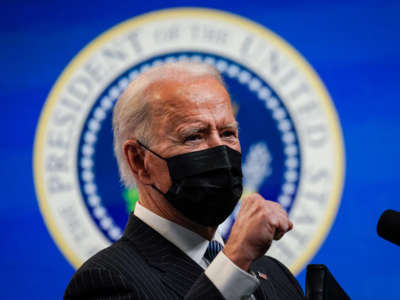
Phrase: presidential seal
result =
(290, 134)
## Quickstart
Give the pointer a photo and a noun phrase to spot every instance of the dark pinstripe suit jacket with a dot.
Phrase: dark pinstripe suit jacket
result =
(144, 265)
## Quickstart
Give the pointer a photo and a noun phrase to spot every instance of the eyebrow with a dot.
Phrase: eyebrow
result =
(233, 125)
(187, 131)
(201, 129)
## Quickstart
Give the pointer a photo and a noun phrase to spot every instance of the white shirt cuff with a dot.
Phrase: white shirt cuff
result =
(232, 282)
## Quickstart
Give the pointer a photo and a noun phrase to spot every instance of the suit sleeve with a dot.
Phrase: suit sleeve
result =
(294, 284)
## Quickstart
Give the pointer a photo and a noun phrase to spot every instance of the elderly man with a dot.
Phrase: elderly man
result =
(176, 137)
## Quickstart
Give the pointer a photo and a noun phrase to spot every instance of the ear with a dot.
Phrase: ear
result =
(134, 155)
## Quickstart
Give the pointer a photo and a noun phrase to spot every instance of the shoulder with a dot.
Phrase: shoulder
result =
(118, 258)
(93, 283)
(114, 270)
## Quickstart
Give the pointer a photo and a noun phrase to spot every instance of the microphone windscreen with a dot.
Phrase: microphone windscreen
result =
(389, 226)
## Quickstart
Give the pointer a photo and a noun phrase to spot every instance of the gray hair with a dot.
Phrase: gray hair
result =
(132, 114)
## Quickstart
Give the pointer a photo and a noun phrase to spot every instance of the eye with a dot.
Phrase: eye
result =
(192, 137)
(229, 133)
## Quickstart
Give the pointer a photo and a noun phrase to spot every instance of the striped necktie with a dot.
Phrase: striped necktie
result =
(213, 249)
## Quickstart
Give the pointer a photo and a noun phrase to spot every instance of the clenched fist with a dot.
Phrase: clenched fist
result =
(258, 223)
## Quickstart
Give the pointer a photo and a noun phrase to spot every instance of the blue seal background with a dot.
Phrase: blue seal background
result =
(353, 45)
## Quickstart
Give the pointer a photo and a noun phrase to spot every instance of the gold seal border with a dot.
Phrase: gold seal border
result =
(135, 22)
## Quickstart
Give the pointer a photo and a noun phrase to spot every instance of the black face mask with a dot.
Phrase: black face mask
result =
(206, 184)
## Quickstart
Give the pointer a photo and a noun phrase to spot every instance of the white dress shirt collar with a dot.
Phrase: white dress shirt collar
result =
(192, 244)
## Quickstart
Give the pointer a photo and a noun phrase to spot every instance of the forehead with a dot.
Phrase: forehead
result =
(183, 98)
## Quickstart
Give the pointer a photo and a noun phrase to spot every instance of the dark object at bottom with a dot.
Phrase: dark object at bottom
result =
(388, 226)
(321, 285)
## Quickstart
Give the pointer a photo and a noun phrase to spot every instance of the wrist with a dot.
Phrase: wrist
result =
(238, 258)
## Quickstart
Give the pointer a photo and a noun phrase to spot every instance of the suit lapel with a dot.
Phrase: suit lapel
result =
(179, 270)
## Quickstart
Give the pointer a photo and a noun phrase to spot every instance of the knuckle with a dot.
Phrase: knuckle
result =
(249, 198)
(270, 204)
(258, 198)
(285, 227)
(274, 221)
(278, 205)
(263, 213)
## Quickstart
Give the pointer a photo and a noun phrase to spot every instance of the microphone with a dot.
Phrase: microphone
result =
(389, 226)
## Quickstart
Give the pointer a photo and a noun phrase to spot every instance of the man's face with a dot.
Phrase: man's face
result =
(188, 116)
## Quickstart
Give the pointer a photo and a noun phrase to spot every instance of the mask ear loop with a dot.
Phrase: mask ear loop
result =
(148, 149)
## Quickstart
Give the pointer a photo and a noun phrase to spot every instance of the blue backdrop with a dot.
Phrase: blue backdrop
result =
(353, 45)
